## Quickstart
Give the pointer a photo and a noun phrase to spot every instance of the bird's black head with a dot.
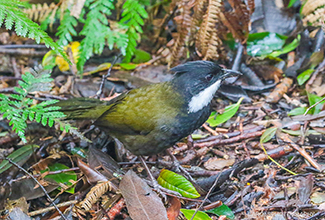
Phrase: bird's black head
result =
(198, 81)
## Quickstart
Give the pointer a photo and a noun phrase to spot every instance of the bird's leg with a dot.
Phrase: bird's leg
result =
(179, 166)
(155, 184)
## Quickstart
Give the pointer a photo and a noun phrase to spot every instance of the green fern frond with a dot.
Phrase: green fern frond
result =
(66, 29)
(118, 38)
(95, 29)
(132, 16)
(17, 108)
(11, 13)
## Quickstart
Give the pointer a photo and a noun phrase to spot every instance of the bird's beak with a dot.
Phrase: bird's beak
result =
(230, 73)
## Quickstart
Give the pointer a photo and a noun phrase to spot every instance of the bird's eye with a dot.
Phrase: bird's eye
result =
(209, 77)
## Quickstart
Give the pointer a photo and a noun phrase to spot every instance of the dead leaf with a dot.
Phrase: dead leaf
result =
(322, 206)
(92, 175)
(141, 201)
(17, 213)
(174, 208)
(318, 198)
(215, 163)
(305, 187)
(43, 163)
(111, 169)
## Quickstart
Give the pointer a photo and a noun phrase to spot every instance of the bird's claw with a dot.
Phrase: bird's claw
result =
(160, 190)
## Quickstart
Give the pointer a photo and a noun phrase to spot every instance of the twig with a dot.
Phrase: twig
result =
(207, 195)
(102, 84)
(213, 132)
(206, 183)
(313, 77)
(9, 78)
(23, 52)
(230, 140)
(31, 46)
(14, 66)
(40, 185)
(303, 153)
(73, 66)
(63, 204)
(116, 209)
(308, 109)
(230, 134)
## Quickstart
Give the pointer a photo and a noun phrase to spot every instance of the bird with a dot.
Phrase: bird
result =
(152, 118)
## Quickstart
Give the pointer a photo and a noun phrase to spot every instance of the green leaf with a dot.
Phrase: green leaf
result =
(199, 136)
(178, 183)
(48, 60)
(188, 213)
(287, 48)
(291, 3)
(264, 43)
(298, 132)
(62, 177)
(79, 151)
(297, 111)
(128, 66)
(222, 210)
(19, 156)
(269, 44)
(141, 56)
(229, 112)
(268, 134)
(312, 98)
(304, 76)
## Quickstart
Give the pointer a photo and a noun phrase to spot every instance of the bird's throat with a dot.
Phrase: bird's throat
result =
(202, 99)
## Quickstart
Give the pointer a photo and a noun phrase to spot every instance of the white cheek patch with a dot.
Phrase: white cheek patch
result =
(202, 99)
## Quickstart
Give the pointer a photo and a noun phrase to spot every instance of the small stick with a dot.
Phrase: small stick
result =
(213, 132)
(41, 211)
(100, 91)
(303, 153)
(207, 195)
(230, 140)
(40, 185)
(308, 109)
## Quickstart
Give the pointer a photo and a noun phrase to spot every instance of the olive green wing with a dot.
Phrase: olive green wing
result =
(139, 112)
(86, 108)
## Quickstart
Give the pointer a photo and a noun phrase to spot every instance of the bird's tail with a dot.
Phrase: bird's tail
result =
(82, 108)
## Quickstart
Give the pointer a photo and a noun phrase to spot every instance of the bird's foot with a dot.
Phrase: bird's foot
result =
(162, 191)
(153, 182)
(179, 167)
(159, 189)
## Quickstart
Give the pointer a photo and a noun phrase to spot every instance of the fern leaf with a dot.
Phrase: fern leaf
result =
(17, 108)
(207, 35)
(11, 12)
(133, 16)
(9, 22)
(95, 30)
(2, 17)
(66, 29)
